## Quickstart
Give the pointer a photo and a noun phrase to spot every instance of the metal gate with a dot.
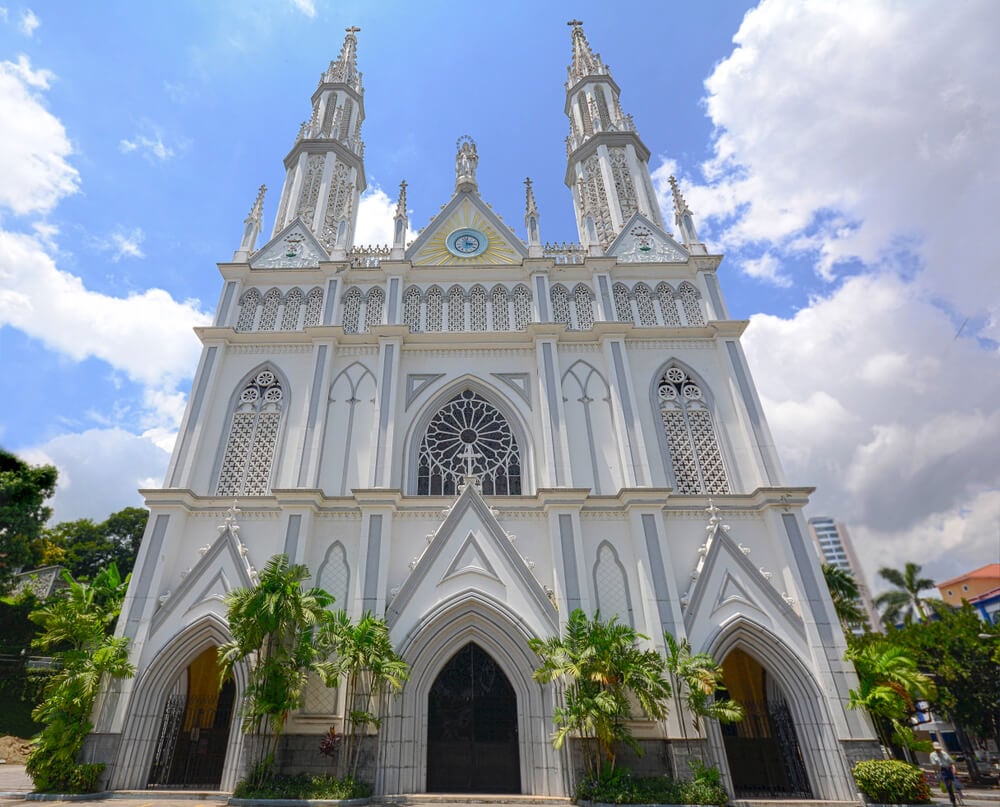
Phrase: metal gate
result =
(472, 744)
(191, 745)
(765, 760)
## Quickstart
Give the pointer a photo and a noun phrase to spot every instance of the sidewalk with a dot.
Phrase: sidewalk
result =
(13, 779)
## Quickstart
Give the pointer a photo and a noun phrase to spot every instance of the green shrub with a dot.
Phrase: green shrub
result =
(301, 786)
(620, 787)
(892, 781)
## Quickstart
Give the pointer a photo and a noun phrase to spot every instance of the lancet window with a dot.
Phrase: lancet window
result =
(691, 304)
(352, 310)
(583, 304)
(623, 309)
(668, 305)
(468, 435)
(456, 309)
(692, 443)
(248, 310)
(314, 307)
(435, 308)
(611, 585)
(374, 303)
(560, 305)
(411, 308)
(501, 314)
(252, 439)
(269, 311)
(522, 308)
(477, 309)
(293, 302)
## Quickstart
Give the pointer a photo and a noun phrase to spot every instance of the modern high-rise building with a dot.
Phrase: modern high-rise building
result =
(472, 435)
(837, 550)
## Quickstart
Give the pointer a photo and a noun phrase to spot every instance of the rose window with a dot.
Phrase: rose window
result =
(468, 435)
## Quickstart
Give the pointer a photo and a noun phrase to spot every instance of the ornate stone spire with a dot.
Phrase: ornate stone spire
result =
(683, 216)
(251, 227)
(585, 61)
(345, 69)
(531, 221)
(400, 222)
(466, 160)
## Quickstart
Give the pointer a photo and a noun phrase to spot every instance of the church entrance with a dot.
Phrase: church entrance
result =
(765, 760)
(194, 729)
(472, 744)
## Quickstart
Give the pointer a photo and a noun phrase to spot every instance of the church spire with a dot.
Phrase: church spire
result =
(607, 163)
(400, 222)
(531, 221)
(325, 168)
(251, 227)
(683, 217)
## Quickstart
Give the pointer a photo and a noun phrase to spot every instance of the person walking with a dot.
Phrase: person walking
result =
(945, 765)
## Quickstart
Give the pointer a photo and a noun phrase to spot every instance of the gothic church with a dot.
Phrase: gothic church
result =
(474, 434)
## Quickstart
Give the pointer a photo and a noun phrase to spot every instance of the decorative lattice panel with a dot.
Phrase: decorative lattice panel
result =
(314, 307)
(501, 312)
(624, 186)
(335, 575)
(293, 302)
(477, 309)
(234, 461)
(310, 188)
(411, 308)
(522, 308)
(611, 587)
(435, 308)
(269, 311)
(623, 310)
(253, 433)
(668, 305)
(456, 309)
(373, 307)
(560, 305)
(352, 310)
(691, 304)
(644, 302)
(583, 302)
(248, 310)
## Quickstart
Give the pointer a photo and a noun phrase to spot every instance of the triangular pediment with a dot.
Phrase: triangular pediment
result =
(642, 241)
(219, 570)
(471, 552)
(466, 213)
(729, 583)
(295, 247)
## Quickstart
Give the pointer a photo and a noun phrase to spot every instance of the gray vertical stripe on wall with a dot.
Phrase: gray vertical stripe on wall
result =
(569, 561)
(543, 303)
(602, 283)
(331, 294)
(660, 590)
(194, 415)
(143, 585)
(227, 297)
(292, 537)
(715, 295)
(372, 560)
(313, 414)
(392, 318)
(550, 389)
(383, 418)
(756, 420)
(807, 572)
(629, 413)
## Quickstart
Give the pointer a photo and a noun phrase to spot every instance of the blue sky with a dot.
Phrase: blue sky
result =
(846, 169)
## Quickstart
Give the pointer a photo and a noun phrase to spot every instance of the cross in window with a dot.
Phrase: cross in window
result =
(469, 455)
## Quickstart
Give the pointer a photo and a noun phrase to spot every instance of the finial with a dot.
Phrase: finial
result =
(683, 216)
(680, 206)
(251, 227)
(400, 223)
(345, 69)
(529, 200)
(585, 61)
(258, 206)
(531, 221)
(352, 30)
(401, 203)
(466, 161)
(575, 23)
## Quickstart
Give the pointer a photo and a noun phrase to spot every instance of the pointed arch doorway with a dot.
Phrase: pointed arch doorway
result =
(472, 739)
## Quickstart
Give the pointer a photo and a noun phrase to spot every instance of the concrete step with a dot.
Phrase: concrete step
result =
(510, 799)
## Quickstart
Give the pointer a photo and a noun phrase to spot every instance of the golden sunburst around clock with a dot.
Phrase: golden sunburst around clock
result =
(436, 253)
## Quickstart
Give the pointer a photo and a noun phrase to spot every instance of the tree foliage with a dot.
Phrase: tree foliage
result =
(24, 490)
(846, 596)
(903, 602)
(77, 627)
(84, 546)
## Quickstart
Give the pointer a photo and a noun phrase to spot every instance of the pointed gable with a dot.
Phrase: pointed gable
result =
(727, 585)
(295, 247)
(466, 212)
(471, 552)
(642, 241)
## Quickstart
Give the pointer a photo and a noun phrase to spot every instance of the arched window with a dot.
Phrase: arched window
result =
(248, 310)
(293, 301)
(644, 302)
(456, 309)
(622, 308)
(691, 304)
(373, 307)
(611, 585)
(253, 434)
(334, 575)
(560, 305)
(477, 309)
(522, 308)
(352, 310)
(468, 435)
(435, 306)
(690, 432)
(269, 312)
(583, 302)
(501, 314)
(668, 305)
(411, 308)
(314, 306)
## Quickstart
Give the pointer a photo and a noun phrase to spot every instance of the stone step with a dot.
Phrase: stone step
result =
(792, 802)
(511, 799)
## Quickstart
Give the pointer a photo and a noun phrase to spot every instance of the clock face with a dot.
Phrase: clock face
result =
(467, 243)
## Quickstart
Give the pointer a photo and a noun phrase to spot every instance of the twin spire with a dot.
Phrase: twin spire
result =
(607, 163)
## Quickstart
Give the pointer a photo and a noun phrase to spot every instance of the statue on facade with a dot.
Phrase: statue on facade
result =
(466, 160)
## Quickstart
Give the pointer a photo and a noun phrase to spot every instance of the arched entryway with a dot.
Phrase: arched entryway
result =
(472, 742)
(763, 751)
(193, 735)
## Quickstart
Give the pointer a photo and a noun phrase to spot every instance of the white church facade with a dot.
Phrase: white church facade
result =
(472, 435)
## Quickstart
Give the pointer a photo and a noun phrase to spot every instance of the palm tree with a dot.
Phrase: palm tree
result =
(603, 669)
(696, 678)
(889, 684)
(274, 622)
(904, 600)
(845, 594)
(364, 659)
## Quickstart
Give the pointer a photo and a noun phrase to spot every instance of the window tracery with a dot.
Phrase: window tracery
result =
(522, 308)
(690, 433)
(501, 314)
(456, 309)
(691, 303)
(352, 310)
(611, 585)
(583, 302)
(668, 305)
(435, 306)
(623, 182)
(477, 309)
(644, 302)
(335, 575)
(269, 311)
(468, 435)
(310, 188)
(560, 305)
(248, 310)
(623, 309)
(293, 301)
(253, 432)
(314, 307)
(374, 304)
(411, 308)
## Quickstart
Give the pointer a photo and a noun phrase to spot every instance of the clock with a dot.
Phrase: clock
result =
(467, 243)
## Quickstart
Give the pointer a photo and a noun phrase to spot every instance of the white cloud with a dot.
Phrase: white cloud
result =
(150, 145)
(375, 212)
(29, 22)
(307, 7)
(123, 244)
(3, 14)
(34, 146)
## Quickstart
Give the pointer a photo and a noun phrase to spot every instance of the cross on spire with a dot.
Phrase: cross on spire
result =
(575, 23)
